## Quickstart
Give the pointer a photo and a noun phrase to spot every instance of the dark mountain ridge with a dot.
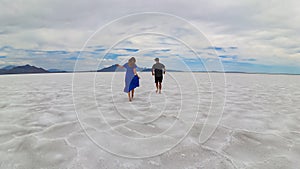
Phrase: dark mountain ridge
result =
(22, 70)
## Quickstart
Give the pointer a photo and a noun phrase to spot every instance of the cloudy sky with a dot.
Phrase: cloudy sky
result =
(249, 35)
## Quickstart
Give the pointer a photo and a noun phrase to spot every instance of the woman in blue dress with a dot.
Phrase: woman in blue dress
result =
(131, 77)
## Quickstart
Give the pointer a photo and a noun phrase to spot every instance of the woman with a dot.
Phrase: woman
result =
(131, 77)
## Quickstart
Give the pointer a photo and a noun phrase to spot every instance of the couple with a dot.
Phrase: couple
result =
(132, 78)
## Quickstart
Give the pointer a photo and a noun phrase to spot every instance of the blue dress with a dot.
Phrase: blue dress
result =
(131, 80)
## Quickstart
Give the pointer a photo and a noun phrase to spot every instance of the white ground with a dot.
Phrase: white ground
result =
(39, 127)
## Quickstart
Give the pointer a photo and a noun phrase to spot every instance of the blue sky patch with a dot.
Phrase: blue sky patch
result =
(258, 68)
(74, 58)
(216, 48)
(251, 60)
(99, 50)
(113, 55)
(57, 52)
(129, 49)
(165, 50)
(6, 47)
(97, 46)
(228, 56)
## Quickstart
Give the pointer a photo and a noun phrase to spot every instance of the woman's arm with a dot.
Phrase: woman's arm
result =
(135, 72)
(120, 66)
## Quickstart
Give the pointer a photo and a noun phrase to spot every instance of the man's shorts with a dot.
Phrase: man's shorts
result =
(158, 79)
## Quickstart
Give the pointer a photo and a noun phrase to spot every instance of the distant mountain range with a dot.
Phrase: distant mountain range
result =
(28, 69)
(22, 69)
(112, 68)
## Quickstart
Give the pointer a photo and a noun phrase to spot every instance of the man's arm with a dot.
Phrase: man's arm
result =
(152, 71)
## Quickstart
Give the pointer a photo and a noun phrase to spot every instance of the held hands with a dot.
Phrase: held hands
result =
(137, 76)
(119, 66)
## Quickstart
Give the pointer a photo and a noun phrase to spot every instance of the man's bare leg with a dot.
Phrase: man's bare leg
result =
(156, 87)
(159, 87)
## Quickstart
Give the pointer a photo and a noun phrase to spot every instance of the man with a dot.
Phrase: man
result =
(158, 69)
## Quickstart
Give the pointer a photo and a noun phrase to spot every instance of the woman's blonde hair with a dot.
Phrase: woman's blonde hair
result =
(131, 62)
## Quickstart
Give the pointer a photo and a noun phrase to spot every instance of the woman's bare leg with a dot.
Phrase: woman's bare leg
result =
(132, 93)
(129, 98)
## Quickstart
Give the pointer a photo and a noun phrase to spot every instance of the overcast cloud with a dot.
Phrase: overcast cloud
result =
(246, 33)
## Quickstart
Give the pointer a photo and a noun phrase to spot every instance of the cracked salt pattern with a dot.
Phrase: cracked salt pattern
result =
(260, 127)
